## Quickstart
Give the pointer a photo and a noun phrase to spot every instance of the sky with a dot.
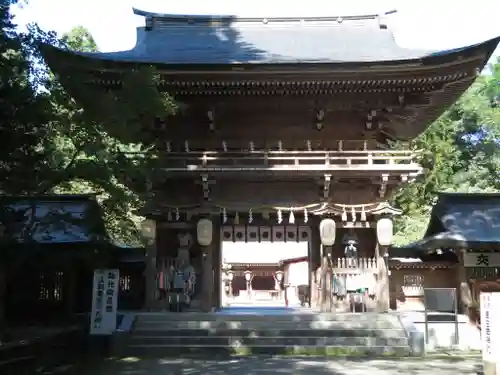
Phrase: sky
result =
(423, 24)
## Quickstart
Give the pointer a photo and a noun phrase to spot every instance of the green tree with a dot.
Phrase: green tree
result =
(96, 150)
(460, 152)
(49, 144)
(25, 114)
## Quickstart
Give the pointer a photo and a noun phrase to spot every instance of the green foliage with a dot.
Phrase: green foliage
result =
(25, 115)
(461, 153)
(49, 144)
(91, 150)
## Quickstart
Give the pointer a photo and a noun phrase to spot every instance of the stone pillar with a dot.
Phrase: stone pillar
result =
(151, 250)
(207, 277)
(382, 290)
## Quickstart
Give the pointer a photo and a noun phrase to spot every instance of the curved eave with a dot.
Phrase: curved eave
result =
(446, 63)
(448, 240)
(124, 60)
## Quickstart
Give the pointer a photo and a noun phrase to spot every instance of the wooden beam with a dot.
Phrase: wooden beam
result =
(255, 194)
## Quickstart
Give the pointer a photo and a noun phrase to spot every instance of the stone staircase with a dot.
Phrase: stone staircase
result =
(168, 334)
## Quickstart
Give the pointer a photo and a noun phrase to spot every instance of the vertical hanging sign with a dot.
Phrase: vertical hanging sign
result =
(104, 302)
(490, 326)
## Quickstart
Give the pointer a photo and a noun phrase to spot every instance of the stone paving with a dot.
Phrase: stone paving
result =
(277, 366)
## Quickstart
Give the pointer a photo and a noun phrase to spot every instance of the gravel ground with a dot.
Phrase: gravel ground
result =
(285, 365)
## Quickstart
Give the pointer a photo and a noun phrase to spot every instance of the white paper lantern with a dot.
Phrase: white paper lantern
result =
(204, 231)
(384, 231)
(327, 229)
(148, 230)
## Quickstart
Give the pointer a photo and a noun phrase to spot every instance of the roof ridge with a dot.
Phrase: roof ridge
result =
(193, 18)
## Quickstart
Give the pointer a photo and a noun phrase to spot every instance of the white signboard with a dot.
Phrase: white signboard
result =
(490, 325)
(482, 259)
(104, 302)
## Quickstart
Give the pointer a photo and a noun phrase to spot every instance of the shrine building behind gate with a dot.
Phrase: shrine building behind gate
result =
(286, 122)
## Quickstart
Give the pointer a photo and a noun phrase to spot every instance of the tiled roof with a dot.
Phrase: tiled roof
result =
(215, 39)
(52, 219)
(461, 221)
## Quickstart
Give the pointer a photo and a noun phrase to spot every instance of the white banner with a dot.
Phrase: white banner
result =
(104, 301)
(482, 259)
(490, 325)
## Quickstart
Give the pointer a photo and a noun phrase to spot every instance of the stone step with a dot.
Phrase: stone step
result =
(240, 332)
(292, 317)
(217, 351)
(206, 333)
(265, 325)
(237, 342)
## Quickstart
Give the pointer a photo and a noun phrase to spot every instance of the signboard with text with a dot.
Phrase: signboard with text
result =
(490, 326)
(104, 302)
(481, 259)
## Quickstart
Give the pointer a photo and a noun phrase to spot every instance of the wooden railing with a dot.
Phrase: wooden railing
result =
(213, 161)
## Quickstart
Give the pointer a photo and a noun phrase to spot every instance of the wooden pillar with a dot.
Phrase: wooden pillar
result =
(383, 292)
(329, 278)
(70, 289)
(216, 266)
(326, 304)
(3, 299)
(207, 277)
(464, 294)
(315, 265)
(150, 302)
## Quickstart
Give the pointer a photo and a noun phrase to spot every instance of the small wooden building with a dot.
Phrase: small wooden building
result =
(50, 246)
(285, 122)
(460, 250)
